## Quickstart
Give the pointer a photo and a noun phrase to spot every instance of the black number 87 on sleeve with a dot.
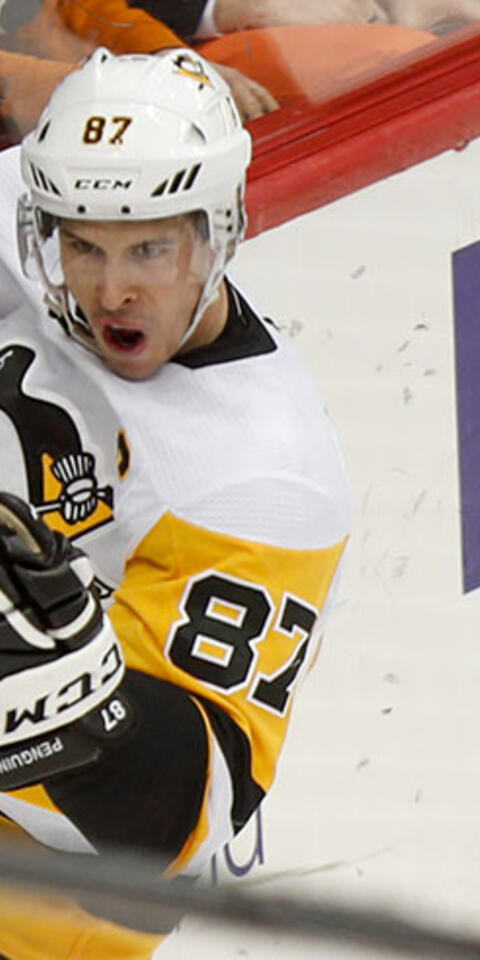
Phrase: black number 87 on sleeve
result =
(224, 621)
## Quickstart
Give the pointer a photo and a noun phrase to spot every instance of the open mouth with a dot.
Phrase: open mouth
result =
(126, 339)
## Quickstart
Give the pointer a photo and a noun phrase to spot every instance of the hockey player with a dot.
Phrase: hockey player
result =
(182, 470)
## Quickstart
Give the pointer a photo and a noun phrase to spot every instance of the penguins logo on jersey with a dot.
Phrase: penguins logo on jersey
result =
(61, 475)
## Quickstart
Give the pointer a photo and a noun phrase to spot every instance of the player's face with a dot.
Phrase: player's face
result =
(138, 284)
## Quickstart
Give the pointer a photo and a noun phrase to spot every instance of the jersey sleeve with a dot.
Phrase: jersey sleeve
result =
(217, 632)
(118, 25)
(234, 623)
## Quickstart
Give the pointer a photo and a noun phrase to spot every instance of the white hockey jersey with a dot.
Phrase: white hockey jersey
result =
(214, 505)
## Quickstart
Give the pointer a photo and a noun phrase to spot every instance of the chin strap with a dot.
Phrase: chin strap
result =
(208, 295)
(203, 304)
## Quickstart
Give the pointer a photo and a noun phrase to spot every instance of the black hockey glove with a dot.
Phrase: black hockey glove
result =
(60, 661)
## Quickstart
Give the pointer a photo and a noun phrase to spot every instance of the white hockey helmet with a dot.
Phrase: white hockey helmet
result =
(128, 138)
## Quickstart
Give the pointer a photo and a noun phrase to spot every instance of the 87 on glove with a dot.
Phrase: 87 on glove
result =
(60, 661)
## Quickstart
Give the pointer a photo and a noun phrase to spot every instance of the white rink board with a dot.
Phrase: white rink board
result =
(378, 793)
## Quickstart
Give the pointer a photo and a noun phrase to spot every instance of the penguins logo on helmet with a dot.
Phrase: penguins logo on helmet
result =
(191, 67)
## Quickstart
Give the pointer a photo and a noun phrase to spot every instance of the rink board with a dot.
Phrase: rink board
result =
(378, 790)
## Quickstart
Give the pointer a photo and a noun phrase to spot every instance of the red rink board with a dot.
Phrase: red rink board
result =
(306, 157)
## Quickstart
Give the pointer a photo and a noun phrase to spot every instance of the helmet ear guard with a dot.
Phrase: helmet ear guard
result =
(148, 137)
(34, 227)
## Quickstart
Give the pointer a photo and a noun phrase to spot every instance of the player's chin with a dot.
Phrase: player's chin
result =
(134, 368)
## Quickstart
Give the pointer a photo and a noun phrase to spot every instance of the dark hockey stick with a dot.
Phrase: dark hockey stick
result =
(132, 882)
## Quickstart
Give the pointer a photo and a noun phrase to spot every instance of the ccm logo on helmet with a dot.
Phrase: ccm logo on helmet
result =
(73, 699)
(102, 183)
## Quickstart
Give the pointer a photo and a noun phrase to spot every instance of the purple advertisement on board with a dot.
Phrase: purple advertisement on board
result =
(466, 284)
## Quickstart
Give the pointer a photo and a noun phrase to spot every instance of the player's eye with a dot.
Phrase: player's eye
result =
(152, 249)
(76, 245)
